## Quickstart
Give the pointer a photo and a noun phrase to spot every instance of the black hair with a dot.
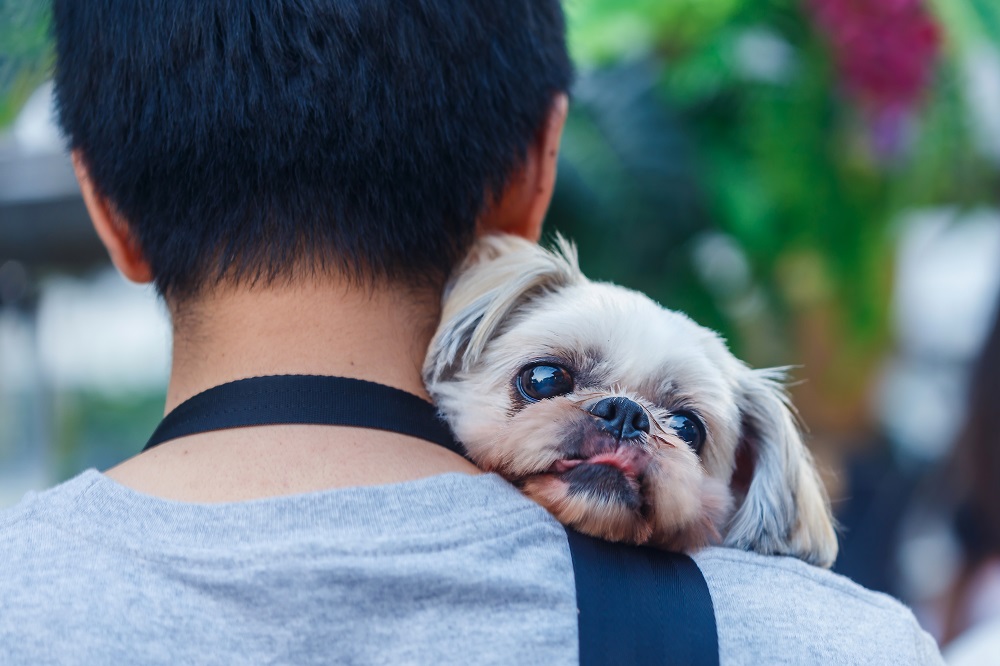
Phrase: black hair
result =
(243, 139)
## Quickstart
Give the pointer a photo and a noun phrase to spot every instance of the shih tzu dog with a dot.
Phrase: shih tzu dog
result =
(627, 421)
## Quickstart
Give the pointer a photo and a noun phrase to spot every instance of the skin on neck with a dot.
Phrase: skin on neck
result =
(321, 326)
(309, 324)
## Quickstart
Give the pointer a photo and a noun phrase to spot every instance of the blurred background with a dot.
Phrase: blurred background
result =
(819, 180)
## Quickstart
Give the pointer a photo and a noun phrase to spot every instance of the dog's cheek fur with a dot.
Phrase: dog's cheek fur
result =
(473, 408)
(529, 441)
(688, 507)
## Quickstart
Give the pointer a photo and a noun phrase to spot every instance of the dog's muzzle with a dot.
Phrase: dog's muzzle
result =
(623, 418)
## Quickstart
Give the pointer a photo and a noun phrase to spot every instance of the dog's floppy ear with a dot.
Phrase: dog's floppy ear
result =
(501, 273)
(786, 510)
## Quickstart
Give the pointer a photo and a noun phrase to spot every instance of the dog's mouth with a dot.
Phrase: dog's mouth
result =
(625, 461)
(612, 476)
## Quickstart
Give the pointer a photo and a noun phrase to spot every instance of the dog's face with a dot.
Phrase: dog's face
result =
(624, 419)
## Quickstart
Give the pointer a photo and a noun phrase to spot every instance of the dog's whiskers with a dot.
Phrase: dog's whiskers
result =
(662, 438)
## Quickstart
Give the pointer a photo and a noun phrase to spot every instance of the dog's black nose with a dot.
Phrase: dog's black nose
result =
(621, 417)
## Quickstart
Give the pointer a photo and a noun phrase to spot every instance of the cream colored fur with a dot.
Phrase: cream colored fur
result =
(513, 303)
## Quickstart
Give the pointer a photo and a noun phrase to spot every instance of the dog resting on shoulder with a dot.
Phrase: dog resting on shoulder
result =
(627, 421)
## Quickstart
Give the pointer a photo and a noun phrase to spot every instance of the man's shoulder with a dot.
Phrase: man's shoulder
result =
(36, 505)
(12, 517)
(450, 566)
(728, 566)
(18, 529)
(36, 535)
(779, 609)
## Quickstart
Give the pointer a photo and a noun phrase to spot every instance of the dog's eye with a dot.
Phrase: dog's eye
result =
(688, 427)
(538, 382)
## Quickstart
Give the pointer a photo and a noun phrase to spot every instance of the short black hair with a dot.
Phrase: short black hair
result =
(240, 138)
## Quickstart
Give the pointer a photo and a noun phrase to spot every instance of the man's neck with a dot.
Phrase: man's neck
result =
(318, 328)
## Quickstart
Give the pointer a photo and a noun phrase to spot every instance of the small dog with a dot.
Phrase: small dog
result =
(627, 421)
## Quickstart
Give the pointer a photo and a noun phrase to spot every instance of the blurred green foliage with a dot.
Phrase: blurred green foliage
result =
(602, 31)
(95, 429)
(25, 52)
(970, 21)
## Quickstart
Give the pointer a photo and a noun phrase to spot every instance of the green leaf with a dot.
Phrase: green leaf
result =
(25, 53)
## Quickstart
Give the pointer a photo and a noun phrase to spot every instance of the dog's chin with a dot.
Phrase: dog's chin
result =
(601, 496)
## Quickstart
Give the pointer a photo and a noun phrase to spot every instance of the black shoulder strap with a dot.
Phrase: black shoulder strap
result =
(637, 605)
(641, 606)
(306, 399)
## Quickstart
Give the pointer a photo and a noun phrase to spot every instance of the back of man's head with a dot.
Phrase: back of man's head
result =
(249, 139)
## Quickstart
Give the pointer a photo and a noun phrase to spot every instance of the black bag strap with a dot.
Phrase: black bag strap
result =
(637, 605)
(306, 399)
(641, 606)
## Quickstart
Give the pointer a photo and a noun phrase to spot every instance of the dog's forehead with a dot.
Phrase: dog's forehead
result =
(625, 333)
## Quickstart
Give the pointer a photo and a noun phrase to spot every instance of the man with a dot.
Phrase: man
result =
(297, 179)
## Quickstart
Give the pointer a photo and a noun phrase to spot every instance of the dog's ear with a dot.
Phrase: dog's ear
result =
(785, 510)
(500, 274)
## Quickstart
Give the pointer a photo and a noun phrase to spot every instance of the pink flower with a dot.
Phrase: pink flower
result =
(884, 52)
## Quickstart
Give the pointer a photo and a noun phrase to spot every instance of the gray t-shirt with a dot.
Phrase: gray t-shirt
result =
(450, 569)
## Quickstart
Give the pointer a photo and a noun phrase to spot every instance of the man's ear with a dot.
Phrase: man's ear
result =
(113, 231)
(521, 209)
